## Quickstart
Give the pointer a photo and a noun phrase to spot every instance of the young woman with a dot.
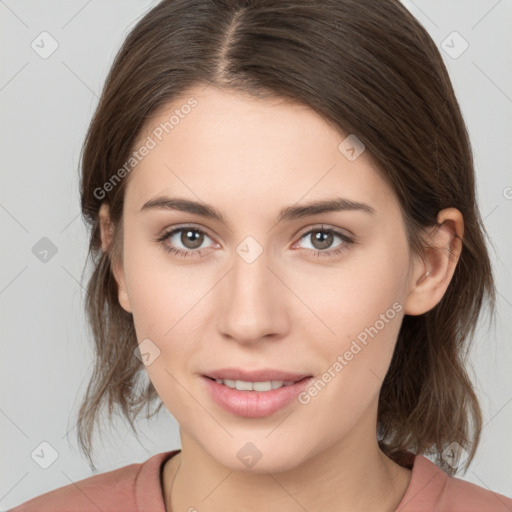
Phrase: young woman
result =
(285, 237)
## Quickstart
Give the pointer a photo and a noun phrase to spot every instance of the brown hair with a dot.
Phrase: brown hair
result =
(368, 68)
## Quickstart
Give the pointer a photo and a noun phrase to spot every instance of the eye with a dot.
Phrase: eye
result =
(322, 240)
(184, 241)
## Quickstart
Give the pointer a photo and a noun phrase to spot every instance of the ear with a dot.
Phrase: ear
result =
(107, 230)
(431, 275)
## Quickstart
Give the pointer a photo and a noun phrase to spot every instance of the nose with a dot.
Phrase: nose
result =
(254, 304)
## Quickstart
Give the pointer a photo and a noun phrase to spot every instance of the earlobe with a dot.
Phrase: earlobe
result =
(431, 275)
(124, 301)
(122, 294)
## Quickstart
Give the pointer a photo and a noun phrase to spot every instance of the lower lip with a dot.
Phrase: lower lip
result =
(254, 404)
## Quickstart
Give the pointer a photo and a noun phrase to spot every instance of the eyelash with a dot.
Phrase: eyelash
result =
(347, 241)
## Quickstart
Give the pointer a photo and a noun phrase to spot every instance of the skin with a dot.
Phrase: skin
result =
(288, 309)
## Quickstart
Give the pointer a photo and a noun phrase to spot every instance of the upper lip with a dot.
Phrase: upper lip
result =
(262, 375)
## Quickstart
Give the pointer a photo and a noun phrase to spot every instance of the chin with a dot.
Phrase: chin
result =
(255, 457)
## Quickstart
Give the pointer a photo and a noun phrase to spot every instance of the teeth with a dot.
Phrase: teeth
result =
(243, 385)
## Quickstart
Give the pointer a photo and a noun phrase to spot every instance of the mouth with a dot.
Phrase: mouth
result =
(258, 386)
(254, 398)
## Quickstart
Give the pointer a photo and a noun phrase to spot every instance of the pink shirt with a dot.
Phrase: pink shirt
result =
(137, 488)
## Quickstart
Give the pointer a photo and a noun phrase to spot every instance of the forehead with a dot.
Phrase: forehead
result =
(235, 147)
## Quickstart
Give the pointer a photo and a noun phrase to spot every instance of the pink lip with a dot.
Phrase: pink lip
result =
(254, 404)
(255, 375)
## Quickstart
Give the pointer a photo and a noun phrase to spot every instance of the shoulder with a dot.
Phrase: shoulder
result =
(431, 489)
(93, 493)
(460, 495)
(119, 489)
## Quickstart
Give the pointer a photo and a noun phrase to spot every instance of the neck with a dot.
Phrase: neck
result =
(347, 476)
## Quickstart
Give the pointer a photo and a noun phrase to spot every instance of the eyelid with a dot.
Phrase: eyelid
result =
(326, 227)
(336, 231)
(194, 227)
(167, 231)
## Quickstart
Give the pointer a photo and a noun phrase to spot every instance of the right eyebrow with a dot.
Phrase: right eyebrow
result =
(183, 205)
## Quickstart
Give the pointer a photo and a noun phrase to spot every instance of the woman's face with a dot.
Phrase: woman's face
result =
(263, 290)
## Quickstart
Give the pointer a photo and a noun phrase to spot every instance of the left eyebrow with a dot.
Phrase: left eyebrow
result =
(286, 214)
(315, 208)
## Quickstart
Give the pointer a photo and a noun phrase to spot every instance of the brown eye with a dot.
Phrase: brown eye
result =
(184, 241)
(191, 238)
(322, 241)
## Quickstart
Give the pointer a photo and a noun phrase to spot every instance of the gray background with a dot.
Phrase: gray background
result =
(46, 105)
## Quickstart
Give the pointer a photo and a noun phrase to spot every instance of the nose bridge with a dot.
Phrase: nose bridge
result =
(250, 272)
(252, 309)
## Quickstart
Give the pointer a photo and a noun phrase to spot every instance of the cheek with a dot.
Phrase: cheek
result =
(360, 304)
(159, 292)
(169, 304)
(343, 300)
(365, 315)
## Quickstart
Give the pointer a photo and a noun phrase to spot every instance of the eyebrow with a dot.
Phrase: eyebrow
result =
(286, 214)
